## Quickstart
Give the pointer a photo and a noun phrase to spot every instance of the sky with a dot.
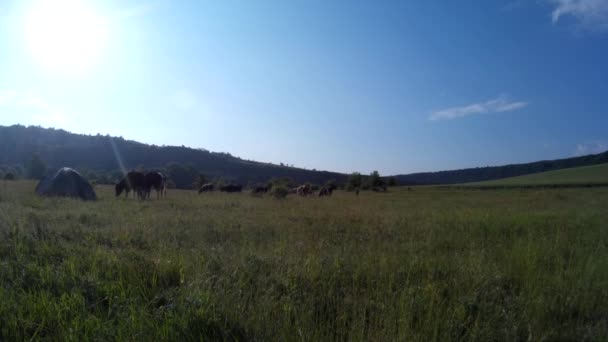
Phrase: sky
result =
(341, 85)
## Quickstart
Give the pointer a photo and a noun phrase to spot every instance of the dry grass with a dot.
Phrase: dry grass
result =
(422, 265)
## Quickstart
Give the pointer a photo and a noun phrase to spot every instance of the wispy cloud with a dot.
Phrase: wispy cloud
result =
(497, 105)
(592, 14)
(592, 147)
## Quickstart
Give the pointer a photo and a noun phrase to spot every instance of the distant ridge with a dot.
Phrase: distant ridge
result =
(59, 148)
(480, 174)
(585, 176)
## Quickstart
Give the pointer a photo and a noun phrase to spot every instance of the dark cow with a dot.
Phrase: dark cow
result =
(325, 191)
(260, 189)
(231, 188)
(156, 181)
(133, 181)
(206, 188)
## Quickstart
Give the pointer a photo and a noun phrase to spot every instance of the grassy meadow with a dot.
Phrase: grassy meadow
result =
(577, 176)
(430, 264)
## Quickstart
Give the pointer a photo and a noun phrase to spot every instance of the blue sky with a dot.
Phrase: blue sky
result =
(394, 86)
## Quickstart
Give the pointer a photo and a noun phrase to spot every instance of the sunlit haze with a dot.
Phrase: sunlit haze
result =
(394, 86)
(64, 35)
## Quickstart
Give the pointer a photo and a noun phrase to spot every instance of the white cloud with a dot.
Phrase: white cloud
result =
(497, 105)
(591, 14)
(592, 147)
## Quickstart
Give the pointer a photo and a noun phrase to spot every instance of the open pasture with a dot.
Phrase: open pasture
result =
(594, 175)
(429, 264)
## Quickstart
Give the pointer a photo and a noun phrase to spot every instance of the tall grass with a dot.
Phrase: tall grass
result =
(422, 265)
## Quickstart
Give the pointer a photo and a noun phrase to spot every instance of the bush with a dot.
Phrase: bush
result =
(355, 180)
(279, 192)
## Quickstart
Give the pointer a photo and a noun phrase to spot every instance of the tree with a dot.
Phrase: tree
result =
(182, 175)
(331, 184)
(36, 168)
(375, 182)
(392, 181)
(279, 192)
(355, 180)
(284, 181)
(200, 181)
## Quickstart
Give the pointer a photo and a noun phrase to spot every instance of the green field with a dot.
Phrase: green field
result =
(429, 264)
(585, 175)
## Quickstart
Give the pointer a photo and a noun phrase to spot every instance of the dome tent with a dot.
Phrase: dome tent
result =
(66, 182)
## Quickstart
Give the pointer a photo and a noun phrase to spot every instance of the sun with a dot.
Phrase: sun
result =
(65, 35)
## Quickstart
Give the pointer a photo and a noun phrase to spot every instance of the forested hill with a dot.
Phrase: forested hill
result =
(96, 154)
(479, 174)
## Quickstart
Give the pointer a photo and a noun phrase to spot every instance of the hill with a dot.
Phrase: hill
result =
(480, 174)
(100, 157)
(585, 175)
(104, 155)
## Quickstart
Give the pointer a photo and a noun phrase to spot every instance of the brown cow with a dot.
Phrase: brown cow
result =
(133, 181)
(206, 188)
(325, 191)
(157, 181)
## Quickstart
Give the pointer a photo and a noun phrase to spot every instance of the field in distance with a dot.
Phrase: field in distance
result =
(429, 264)
(576, 176)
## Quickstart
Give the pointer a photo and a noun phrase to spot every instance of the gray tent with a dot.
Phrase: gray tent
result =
(66, 182)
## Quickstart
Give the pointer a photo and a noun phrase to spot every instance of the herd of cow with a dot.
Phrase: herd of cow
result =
(302, 190)
(142, 184)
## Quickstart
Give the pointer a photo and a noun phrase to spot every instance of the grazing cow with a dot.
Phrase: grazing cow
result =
(133, 181)
(231, 188)
(304, 190)
(206, 188)
(325, 191)
(260, 189)
(157, 181)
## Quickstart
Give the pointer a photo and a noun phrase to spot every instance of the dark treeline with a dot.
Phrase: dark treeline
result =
(479, 174)
(96, 157)
(28, 152)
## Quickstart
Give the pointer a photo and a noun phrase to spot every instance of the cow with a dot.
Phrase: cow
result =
(133, 181)
(157, 181)
(304, 190)
(260, 189)
(206, 188)
(325, 191)
(231, 188)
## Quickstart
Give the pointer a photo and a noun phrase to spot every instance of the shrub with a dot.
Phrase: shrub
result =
(279, 192)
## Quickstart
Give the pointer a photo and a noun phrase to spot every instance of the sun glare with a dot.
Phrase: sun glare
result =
(65, 35)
